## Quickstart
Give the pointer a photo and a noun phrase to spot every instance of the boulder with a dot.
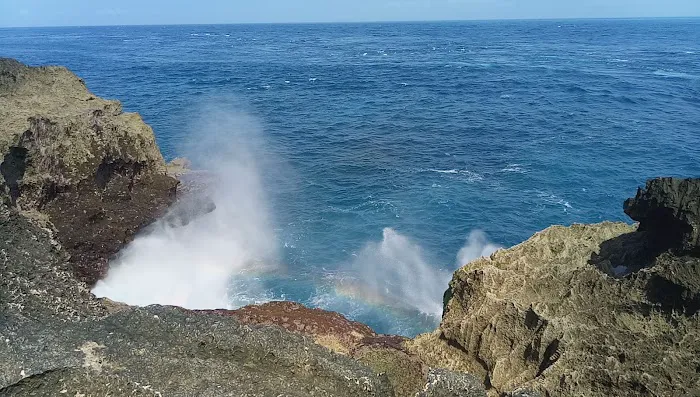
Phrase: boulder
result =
(78, 161)
(543, 316)
(669, 210)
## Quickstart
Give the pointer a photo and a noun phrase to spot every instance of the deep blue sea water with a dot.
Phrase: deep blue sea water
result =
(431, 129)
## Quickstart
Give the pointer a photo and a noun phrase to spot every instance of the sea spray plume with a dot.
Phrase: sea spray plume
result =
(477, 245)
(193, 265)
(394, 272)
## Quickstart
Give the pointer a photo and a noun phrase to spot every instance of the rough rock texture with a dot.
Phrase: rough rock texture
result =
(544, 315)
(60, 145)
(669, 209)
(443, 383)
(56, 338)
(385, 354)
(329, 329)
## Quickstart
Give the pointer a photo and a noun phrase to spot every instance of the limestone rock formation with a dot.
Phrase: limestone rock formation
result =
(587, 310)
(329, 329)
(78, 161)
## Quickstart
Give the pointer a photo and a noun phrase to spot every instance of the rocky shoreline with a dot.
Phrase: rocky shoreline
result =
(594, 310)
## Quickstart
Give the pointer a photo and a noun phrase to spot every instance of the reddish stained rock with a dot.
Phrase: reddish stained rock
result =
(385, 354)
(384, 341)
(328, 329)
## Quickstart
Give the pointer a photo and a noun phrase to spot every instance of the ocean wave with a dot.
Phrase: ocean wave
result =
(674, 74)
(471, 176)
(553, 199)
(515, 168)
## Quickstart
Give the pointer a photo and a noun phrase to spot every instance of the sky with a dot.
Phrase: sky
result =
(154, 12)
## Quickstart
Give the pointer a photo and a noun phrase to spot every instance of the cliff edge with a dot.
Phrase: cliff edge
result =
(587, 310)
(78, 161)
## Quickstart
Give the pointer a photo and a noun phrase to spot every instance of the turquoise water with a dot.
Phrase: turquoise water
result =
(430, 129)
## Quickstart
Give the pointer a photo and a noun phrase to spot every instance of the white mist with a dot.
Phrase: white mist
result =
(394, 272)
(192, 266)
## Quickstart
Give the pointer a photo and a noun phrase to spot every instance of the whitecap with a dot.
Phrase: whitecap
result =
(517, 168)
(286, 81)
(673, 74)
(312, 79)
(554, 200)
(506, 96)
(471, 176)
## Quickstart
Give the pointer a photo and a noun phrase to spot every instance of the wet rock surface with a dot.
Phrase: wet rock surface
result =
(329, 329)
(385, 354)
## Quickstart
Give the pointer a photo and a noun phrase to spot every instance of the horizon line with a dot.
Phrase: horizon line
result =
(360, 22)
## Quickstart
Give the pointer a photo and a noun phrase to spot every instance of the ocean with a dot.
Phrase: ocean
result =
(379, 148)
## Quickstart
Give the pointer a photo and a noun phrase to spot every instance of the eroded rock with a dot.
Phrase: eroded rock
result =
(669, 209)
(590, 310)
(329, 329)
(92, 170)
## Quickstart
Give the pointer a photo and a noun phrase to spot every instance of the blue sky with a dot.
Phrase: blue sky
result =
(91, 12)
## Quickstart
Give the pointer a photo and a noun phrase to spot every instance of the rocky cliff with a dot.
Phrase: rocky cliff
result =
(586, 310)
(79, 162)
